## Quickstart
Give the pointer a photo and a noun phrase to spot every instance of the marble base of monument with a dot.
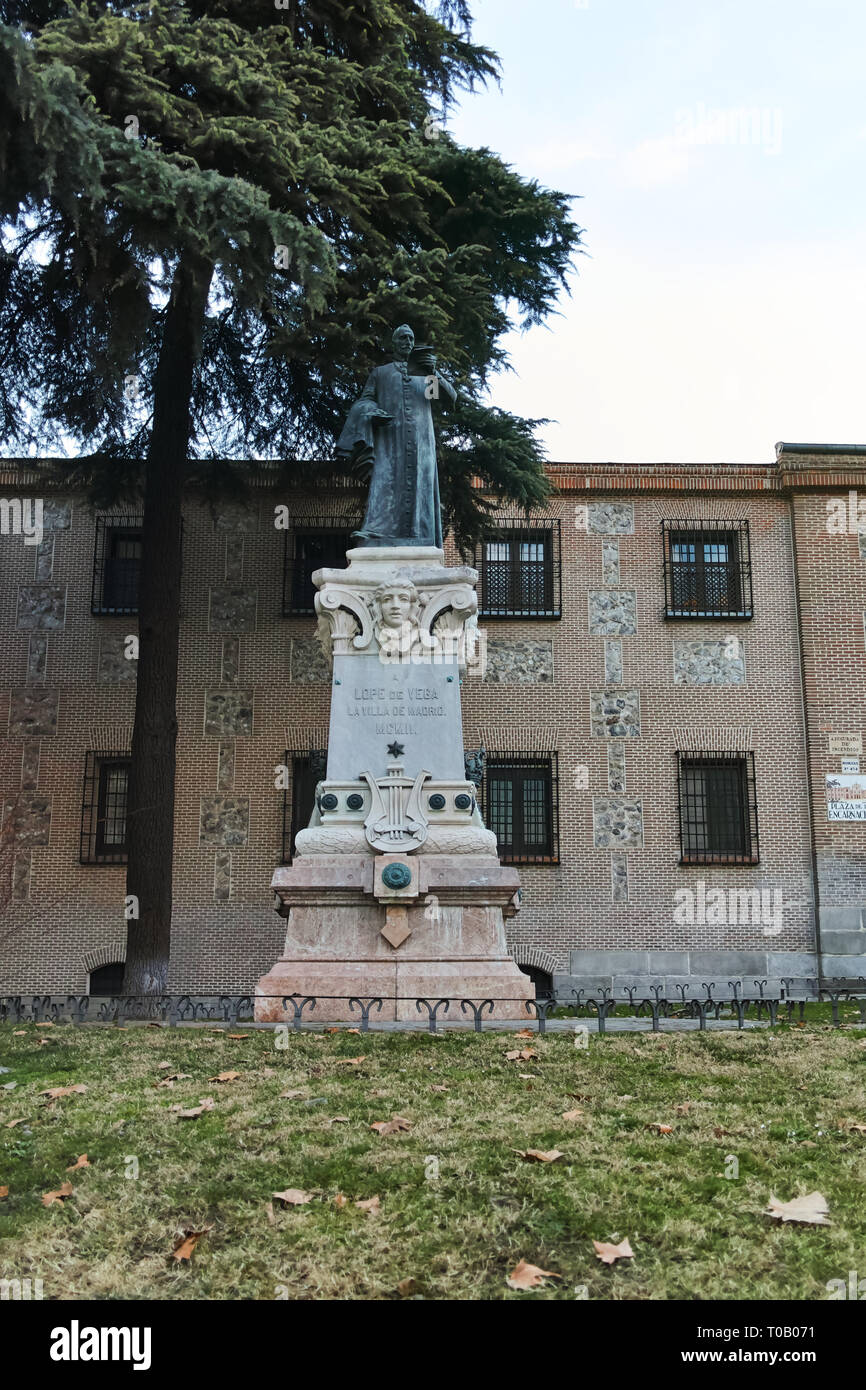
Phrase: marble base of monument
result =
(445, 941)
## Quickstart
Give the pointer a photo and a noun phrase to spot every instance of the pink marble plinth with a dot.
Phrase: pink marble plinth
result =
(449, 933)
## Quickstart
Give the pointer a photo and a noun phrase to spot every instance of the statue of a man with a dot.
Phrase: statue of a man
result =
(391, 423)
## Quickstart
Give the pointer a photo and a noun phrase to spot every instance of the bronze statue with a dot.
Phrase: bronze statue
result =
(391, 426)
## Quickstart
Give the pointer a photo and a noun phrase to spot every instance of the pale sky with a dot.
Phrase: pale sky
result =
(720, 150)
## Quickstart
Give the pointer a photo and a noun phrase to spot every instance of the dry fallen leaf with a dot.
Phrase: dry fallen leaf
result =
(4, 1192)
(340, 1200)
(186, 1243)
(55, 1092)
(526, 1276)
(609, 1254)
(440, 1089)
(238, 1037)
(20, 1033)
(371, 1205)
(350, 1061)
(523, 1054)
(525, 1033)
(80, 1162)
(684, 1108)
(45, 1025)
(292, 1095)
(572, 1114)
(50, 1198)
(164, 1066)
(10, 1124)
(339, 1120)
(811, 1210)
(661, 1129)
(225, 1076)
(539, 1155)
(392, 1126)
(194, 1111)
(407, 1287)
(292, 1197)
(854, 1125)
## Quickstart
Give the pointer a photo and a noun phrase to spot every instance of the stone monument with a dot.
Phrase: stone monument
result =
(395, 890)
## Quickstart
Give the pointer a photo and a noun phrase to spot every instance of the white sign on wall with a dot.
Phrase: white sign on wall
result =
(846, 743)
(850, 764)
(846, 796)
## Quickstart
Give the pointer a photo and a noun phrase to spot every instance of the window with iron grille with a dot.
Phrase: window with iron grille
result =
(520, 566)
(116, 565)
(519, 798)
(306, 771)
(718, 809)
(708, 570)
(320, 544)
(103, 809)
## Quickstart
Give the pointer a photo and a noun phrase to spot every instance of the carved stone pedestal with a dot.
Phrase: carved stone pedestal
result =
(396, 891)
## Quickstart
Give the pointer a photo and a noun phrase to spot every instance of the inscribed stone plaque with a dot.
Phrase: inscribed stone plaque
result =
(413, 706)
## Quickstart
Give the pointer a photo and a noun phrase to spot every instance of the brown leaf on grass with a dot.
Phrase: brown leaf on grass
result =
(539, 1155)
(340, 1201)
(10, 1124)
(811, 1210)
(684, 1108)
(525, 1033)
(4, 1192)
(392, 1126)
(572, 1114)
(356, 1031)
(49, 1199)
(186, 1243)
(609, 1254)
(350, 1061)
(292, 1095)
(238, 1037)
(527, 1276)
(407, 1287)
(440, 1089)
(333, 1030)
(339, 1120)
(292, 1197)
(523, 1054)
(225, 1076)
(854, 1125)
(55, 1092)
(194, 1111)
(371, 1205)
(661, 1129)
(169, 1081)
(164, 1066)
(81, 1161)
(45, 1025)
(43, 1042)
(20, 1033)
(577, 1095)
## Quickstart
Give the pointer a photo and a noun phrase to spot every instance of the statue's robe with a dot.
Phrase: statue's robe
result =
(403, 503)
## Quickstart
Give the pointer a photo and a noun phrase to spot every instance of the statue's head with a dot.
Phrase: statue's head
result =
(397, 603)
(403, 341)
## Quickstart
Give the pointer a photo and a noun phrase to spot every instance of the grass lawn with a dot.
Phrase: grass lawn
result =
(782, 1097)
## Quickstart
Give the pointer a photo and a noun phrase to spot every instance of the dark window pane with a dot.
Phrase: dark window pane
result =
(122, 569)
(312, 550)
(717, 813)
(519, 804)
(111, 808)
(108, 979)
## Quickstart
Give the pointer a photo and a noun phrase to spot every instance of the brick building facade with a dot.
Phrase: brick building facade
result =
(673, 669)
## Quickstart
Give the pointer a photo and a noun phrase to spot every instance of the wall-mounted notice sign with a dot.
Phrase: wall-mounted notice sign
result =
(850, 764)
(846, 796)
(843, 744)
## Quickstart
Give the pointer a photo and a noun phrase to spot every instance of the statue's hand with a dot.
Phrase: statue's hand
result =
(381, 418)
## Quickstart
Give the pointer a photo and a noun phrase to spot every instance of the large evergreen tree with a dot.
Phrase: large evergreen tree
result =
(230, 204)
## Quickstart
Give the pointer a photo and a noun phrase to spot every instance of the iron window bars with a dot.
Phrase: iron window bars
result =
(520, 566)
(519, 798)
(320, 543)
(717, 808)
(707, 569)
(306, 770)
(103, 808)
(116, 565)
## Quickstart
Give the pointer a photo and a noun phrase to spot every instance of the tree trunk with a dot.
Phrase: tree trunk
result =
(150, 808)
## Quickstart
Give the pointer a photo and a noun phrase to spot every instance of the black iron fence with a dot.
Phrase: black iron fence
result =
(735, 1003)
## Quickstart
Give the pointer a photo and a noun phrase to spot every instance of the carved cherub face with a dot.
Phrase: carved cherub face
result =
(397, 603)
